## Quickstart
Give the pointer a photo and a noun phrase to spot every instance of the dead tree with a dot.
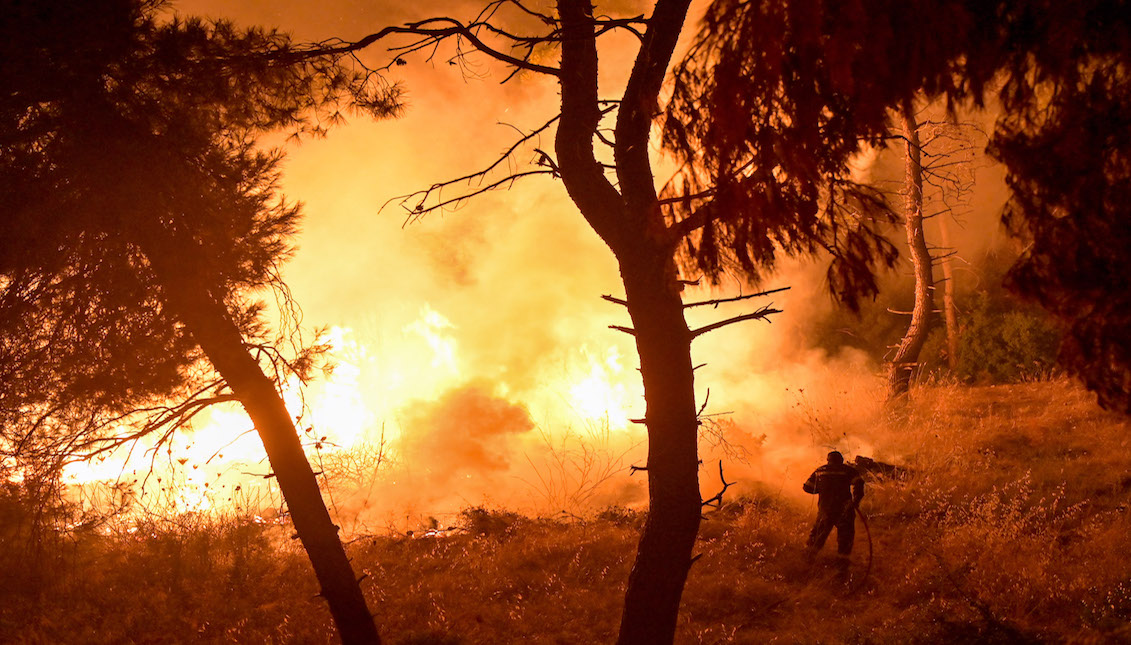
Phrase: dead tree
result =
(907, 355)
(950, 308)
(938, 171)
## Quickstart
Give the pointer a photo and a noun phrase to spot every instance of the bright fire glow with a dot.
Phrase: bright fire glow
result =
(599, 394)
(219, 463)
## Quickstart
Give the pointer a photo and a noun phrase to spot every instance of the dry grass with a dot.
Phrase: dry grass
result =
(1012, 527)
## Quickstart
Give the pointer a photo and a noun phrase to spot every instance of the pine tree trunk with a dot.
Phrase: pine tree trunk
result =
(663, 557)
(907, 356)
(211, 325)
(628, 219)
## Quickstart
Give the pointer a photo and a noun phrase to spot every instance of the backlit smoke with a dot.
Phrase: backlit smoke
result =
(475, 364)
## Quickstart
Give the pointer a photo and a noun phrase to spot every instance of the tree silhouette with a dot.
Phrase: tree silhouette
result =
(602, 157)
(1066, 145)
(139, 219)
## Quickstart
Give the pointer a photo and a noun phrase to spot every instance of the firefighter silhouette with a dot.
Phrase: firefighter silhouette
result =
(839, 489)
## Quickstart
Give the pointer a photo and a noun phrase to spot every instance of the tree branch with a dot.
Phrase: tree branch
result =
(716, 303)
(717, 500)
(761, 314)
(432, 36)
(615, 301)
(420, 210)
(634, 120)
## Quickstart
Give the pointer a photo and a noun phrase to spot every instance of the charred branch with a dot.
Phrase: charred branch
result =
(615, 301)
(761, 314)
(416, 203)
(704, 406)
(420, 210)
(719, 301)
(432, 33)
(717, 499)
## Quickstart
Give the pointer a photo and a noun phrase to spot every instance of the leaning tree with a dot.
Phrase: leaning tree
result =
(140, 221)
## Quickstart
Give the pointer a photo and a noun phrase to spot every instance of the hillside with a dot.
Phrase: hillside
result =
(1009, 525)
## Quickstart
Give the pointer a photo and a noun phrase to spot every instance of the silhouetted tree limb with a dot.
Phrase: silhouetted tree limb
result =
(719, 301)
(762, 314)
(716, 501)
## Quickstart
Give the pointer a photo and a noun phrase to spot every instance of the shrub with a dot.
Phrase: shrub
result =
(1006, 345)
(1000, 341)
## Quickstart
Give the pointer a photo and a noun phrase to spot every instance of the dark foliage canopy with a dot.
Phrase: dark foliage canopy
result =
(1070, 174)
(775, 97)
(117, 122)
(768, 108)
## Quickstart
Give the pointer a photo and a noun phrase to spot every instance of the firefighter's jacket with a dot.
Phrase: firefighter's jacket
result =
(835, 485)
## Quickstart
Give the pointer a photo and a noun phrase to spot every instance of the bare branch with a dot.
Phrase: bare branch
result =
(415, 202)
(704, 406)
(761, 314)
(717, 500)
(615, 301)
(547, 19)
(420, 210)
(720, 301)
(432, 32)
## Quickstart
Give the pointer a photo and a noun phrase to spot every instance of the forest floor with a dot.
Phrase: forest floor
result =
(1010, 525)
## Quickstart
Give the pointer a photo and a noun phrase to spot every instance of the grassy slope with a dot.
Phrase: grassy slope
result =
(1012, 526)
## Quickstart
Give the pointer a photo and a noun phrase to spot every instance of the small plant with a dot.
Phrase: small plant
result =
(486, 522)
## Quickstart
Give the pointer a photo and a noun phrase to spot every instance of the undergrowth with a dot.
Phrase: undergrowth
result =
(1010, 524)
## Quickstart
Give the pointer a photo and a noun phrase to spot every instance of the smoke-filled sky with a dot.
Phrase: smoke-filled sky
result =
(476, 340)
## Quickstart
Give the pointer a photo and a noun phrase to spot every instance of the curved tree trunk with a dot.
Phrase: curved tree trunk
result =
(628, 219)
(907, 356)
(211, 325)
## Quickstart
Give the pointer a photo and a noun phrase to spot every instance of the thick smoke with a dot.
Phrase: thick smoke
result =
(467, 431)
(477, 339)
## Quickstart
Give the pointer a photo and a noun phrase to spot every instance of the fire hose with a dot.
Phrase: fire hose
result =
(853, 506)
(867, 568)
